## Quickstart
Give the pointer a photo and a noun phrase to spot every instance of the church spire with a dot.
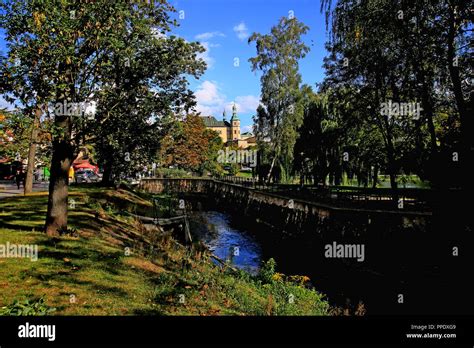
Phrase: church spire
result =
(234, 113)
(224, 116)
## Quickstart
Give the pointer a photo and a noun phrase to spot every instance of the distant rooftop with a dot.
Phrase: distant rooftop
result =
(211, 121)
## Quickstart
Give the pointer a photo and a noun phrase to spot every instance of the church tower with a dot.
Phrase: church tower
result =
(228, 132)
(235, 124)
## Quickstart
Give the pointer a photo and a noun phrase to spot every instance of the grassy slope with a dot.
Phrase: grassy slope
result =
(93, 266)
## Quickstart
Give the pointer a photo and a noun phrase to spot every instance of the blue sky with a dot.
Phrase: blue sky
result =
(223, 27)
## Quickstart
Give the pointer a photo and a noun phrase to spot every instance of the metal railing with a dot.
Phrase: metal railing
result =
(413, 199)
(238, 180)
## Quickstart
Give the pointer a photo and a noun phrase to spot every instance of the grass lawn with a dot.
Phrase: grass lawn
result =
(108, 263)
(244, 174)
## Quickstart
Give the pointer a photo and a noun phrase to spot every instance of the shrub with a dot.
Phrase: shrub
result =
(35, 306)
(267, 271)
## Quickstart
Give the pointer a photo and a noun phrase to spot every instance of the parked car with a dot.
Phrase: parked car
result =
(86, 176)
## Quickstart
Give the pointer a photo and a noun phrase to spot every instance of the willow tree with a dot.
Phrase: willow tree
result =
(407, 51)
(280, 114)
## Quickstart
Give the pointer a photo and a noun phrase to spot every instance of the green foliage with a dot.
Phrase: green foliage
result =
(172, 173)
(383, 50)
(28, 307)
(136, 123)
(18, 127)
(119, 55)
(233, 168)
(280, 114)
(211, 165)
(267, 271)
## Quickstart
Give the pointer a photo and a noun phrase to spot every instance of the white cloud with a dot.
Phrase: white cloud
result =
(247, 103)
(246, 129)
(241, 30)
(206, 54)
(211, 101)
(208, 92)
(203, 38)
(209, 35)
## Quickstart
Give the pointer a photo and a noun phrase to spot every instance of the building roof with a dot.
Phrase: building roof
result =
(251, 140)
(211, 121)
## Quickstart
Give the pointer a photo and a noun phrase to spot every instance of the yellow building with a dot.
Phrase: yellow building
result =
(229, 131)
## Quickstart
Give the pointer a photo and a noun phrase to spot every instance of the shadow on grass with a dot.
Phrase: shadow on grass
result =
(93, 262)
(54, 249)
(89, 261)
(20, 213)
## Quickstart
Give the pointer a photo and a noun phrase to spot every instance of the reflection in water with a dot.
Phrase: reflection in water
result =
(215, 231)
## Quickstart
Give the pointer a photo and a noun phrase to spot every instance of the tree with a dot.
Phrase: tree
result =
(403, 51)
(211, 164)
(188, 143)
(139, 97)
(317, 151)
(23, 82)
(70, 46)
(280, 115)
(14, 137)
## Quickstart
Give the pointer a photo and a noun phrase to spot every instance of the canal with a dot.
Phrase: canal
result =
(349, 285)
(246, 246)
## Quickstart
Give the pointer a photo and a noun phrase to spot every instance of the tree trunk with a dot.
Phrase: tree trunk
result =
(392, 172)
(338, 174)
(107, 177)
(271, 169)
(56, 217)
(426, 91)
(375, 177)
(32, 152)
(427, 104)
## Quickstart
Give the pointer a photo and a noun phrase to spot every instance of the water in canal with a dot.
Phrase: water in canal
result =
(227, 241)
(229, 238)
